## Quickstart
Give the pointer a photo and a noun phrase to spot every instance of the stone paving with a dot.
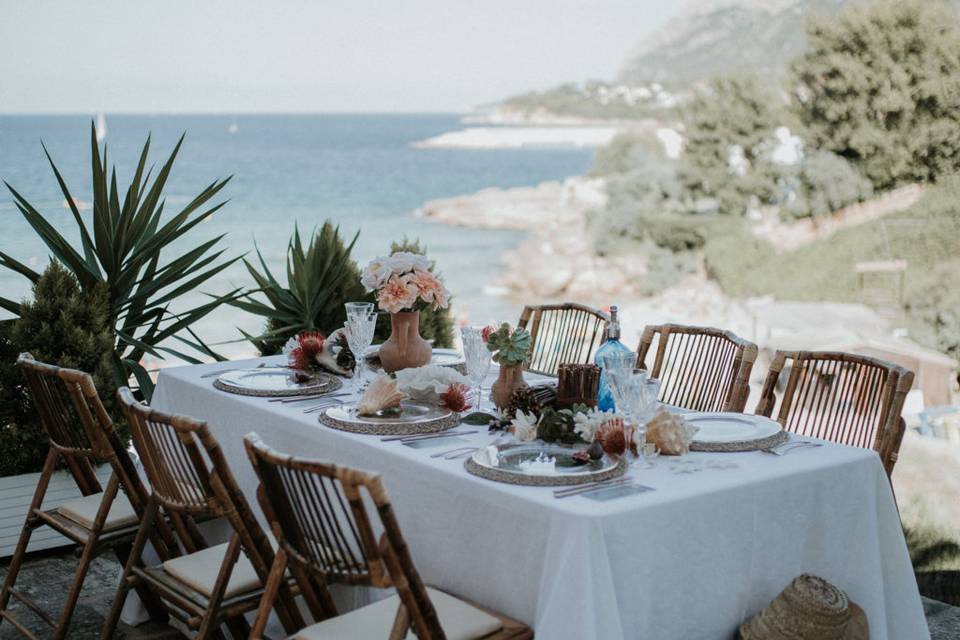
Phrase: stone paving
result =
(46, 579)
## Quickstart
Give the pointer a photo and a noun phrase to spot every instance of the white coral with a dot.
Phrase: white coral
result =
(586, 424)
(525, 426)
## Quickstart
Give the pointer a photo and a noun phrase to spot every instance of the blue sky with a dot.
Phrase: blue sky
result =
(241, 56)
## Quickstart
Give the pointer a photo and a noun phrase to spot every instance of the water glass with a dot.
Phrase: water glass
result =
(638, 398)
(358, 308)
(616, 366)
(476, 357)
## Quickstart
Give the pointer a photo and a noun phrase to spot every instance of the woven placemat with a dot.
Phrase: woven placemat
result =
(329, 384)
(510, 477)
(436, 425)
(740, 445)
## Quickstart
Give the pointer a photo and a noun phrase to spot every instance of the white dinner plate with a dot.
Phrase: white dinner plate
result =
(731, 427)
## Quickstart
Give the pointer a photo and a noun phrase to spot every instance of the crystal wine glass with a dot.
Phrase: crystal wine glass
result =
(476, 356)
(361, 323)
(618, 365)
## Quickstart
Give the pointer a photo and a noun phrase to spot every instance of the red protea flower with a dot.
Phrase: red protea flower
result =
(304, 356)
(455, 397)
(487, 330)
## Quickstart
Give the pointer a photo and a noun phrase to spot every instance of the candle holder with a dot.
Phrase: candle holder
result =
(577, 384)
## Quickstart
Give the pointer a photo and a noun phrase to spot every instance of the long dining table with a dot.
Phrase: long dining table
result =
(714, 540)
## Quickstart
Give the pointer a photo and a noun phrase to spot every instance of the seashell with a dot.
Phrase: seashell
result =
(425, 384)
(670, 434)
(612, 437)
(382, 394)
(342, 362)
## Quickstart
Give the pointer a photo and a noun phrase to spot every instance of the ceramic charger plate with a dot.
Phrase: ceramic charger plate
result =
(733, 432)
(442, 357)
(414, 418)
(274, 382)
(513, 465)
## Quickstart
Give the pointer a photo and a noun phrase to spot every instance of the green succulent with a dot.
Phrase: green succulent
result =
(557, 425)
(509, 347)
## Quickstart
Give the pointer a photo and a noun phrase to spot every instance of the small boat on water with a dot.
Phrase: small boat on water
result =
(101, 126)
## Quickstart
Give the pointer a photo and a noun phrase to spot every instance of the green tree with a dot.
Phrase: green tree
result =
(62, 325)
(880, 86)
(824, 183)
(728, 129)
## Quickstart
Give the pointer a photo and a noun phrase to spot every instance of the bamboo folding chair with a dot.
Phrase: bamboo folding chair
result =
(318, 512)
(841, 397)
(81, 435)
(566, 333)
(699, 368)
(203, 586)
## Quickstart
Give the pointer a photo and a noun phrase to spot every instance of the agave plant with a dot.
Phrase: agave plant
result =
(320, 278)
(122, 250)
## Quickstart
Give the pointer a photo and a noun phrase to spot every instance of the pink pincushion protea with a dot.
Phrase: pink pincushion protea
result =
(305, 356)
(455, 397)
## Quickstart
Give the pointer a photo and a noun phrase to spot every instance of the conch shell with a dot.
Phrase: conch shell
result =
(670, 434)
(381, 395)
(343, 361)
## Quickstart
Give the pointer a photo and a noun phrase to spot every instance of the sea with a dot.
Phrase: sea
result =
(358, 170)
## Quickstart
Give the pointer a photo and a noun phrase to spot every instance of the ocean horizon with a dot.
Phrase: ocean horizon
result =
(357, 169)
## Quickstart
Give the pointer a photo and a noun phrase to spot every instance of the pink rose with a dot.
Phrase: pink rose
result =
(430, 289)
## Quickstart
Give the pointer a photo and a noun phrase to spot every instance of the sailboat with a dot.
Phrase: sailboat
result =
(101, 126)
(234, 127)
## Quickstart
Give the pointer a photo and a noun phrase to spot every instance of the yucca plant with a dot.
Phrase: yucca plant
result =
(320, 278)
(122, 250)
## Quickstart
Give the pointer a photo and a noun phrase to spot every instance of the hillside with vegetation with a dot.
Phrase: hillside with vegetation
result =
(875, 103)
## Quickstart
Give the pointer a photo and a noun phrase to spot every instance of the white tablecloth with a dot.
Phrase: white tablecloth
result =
(692, 559)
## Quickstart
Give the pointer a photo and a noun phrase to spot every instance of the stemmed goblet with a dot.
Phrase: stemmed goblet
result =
(360, 325)
(476, 356)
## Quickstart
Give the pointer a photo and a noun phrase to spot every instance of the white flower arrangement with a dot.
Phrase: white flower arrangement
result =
(525, 426)
(404, 282)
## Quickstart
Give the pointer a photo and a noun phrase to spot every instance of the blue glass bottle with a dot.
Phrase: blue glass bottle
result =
(604, 395)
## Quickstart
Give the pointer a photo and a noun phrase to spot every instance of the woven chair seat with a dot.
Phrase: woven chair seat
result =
(460, 621)
(83, 511)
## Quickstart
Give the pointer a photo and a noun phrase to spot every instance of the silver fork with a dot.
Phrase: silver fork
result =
(219, 371)
(331, 402)
(786, 447)
(459, 452)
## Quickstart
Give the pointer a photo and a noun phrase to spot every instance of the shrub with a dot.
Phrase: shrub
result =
(825, 183)
(65, 326)
(121, 252)
(735, 112)
(932, 306)
(320, 279)
(880, 86)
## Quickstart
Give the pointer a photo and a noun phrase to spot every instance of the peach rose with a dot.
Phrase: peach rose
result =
(397, 294)
(430, 288)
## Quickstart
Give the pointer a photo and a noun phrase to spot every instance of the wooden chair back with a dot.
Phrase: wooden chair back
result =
(318, 512)
(841, 397)
(191, 479)
(79, 427)
(699, 368)
(566, 333)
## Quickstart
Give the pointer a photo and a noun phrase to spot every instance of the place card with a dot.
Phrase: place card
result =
(612, 493)
(430, 443)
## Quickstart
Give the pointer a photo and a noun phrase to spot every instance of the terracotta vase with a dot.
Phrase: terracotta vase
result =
(509, 380)
(405, 349)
